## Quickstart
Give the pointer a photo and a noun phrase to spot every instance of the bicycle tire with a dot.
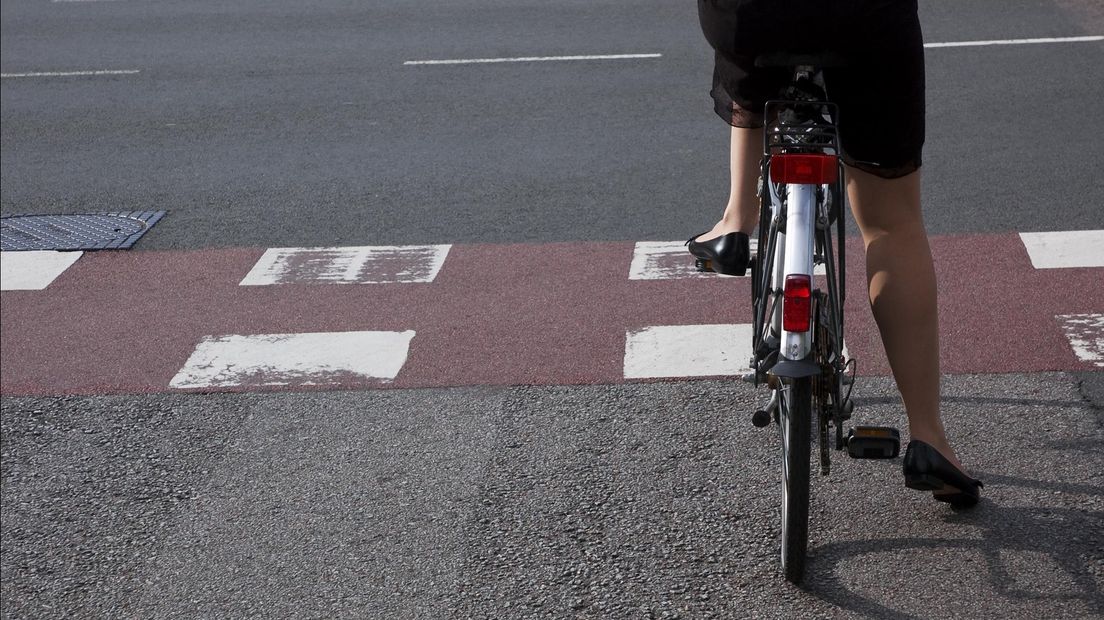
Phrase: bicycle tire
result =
(795, 421)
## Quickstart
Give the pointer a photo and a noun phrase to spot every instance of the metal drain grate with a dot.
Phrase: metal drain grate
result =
(90, 231)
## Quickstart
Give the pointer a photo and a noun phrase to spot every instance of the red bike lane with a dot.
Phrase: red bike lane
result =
(541, 314)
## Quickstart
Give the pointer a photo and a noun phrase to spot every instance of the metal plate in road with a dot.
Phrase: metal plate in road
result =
(92, 231)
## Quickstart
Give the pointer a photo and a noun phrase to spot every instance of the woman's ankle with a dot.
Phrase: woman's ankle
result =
(938, 440)
(723, 227)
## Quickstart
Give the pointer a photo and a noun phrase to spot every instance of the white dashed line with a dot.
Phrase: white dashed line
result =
(670, 260)
(1016, 41)
(33, 271)
(1065, 249)
(475, 61)
(69, 73)
(349, 265)
(663, 260)
(1086, 336)
(327, 358)
(687, 351)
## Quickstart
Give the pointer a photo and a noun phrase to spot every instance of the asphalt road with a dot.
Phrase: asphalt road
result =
(260, 124)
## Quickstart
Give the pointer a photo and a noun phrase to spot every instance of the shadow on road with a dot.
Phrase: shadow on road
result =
(1070, 538)
(978, 400)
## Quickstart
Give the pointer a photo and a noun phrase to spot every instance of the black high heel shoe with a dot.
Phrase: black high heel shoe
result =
(728, 254)
(928, 470)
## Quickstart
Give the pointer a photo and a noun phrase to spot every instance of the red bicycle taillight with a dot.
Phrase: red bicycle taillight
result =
(797, 303)
(804, 168)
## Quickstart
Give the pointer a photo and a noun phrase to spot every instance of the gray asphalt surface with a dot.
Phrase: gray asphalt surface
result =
(283, 124)
(656, 500)
(286, 123)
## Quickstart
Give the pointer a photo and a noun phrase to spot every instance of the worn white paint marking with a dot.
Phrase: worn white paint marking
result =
(328, 358)
(1056, 250)
(1086, 336)
(479, 61)
(663, 260)
(349, 265)
(687, 351)
(1016, 41)
(670, 260)
(33, 271)
(69, 73)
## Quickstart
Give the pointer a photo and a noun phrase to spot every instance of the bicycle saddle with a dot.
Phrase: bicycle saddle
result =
(788, 60)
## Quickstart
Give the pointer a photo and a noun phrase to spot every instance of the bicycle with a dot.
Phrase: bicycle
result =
(798, 343)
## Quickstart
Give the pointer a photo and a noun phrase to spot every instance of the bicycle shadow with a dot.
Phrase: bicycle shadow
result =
(1053, 532)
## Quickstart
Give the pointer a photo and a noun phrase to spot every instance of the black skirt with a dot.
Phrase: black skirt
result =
(880, 91)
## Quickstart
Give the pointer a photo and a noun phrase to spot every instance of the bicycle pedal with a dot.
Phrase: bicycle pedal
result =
(873, 442)
(704, 265)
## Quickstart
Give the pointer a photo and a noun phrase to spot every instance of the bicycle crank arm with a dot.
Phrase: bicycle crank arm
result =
(763, 417)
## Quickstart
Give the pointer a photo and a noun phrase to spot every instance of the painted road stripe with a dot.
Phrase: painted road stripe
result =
(349, 265)
(1016, 41)
(663, 260)
(687, 351)
(474, 61)
(329, 358)
(69, 73)
(669, 260)
(33, 271)
(1056, 250)
(1086, 336)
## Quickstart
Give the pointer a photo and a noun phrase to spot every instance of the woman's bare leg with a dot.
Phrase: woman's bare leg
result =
(741, 214)
(902, 286)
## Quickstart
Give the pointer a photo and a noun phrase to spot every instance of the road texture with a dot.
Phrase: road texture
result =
(282, 124)
(656, 500)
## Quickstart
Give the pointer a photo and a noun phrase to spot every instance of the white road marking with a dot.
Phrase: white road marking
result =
(474, 61)
(687, 351)
(294, 359)
(34, 270)
(1086, 336)
(670, 260)
(663, 260)
(70, 73)
(1016, 41)
(1064, 249)
(348, 265)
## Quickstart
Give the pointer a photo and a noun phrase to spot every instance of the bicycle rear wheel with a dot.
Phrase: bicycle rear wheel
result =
(795, 417)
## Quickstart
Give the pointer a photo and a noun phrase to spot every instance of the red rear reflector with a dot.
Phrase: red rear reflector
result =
(806, 168)
(797, 303)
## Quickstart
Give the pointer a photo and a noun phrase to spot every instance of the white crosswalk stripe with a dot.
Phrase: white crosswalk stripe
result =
(294, 359)
(1065, 249)
(348, 265)
(687, 351)
(33, 270)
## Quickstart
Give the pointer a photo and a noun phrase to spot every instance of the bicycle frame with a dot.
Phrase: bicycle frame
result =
(794, 234)
(797, 327)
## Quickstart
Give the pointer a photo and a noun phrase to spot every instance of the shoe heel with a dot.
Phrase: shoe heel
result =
(704, 265)
(728, 270)
(923, 482)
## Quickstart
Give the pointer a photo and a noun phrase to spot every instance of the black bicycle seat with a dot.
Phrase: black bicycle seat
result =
(787, 60)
